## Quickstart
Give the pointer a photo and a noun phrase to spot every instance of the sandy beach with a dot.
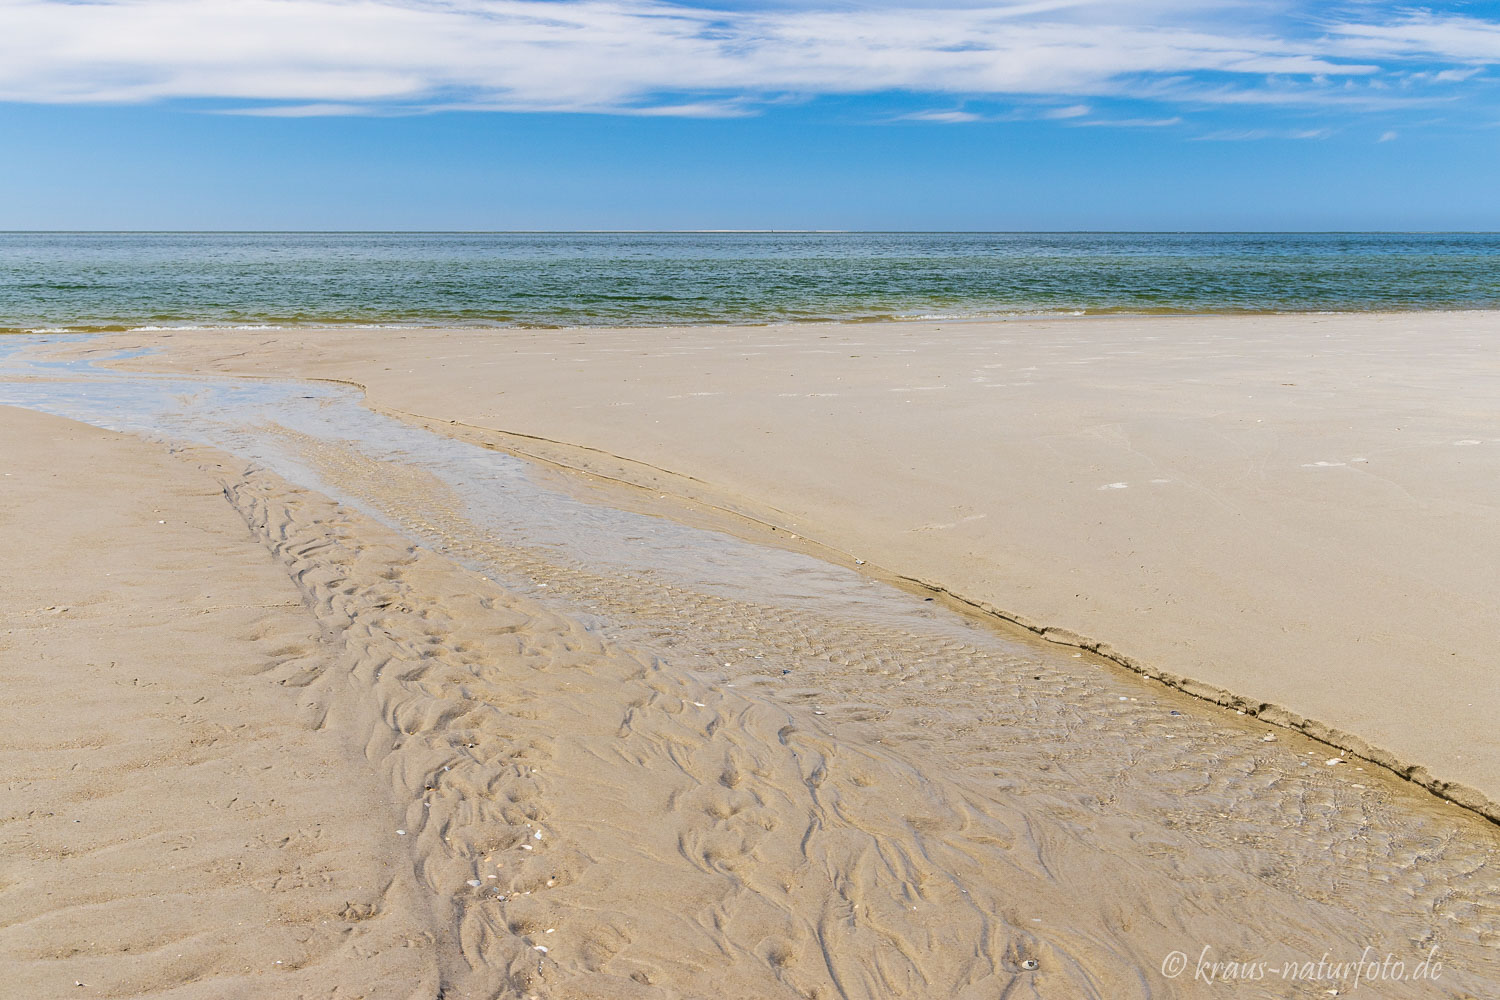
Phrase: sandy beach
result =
(1293, 515)
(763, 501)
(365, 739)
(176, 822)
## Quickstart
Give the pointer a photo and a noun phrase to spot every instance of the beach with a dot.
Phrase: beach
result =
(767, 501)
(1292, 515)
(176, 823)
(1057, 658)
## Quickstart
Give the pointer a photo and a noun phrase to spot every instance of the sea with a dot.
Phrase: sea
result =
(87, 282)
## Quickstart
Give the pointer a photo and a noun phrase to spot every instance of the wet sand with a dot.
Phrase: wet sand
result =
(175, 822)
(622, 784)
(1292, 515)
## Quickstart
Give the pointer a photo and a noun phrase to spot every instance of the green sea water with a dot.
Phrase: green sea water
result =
(81, 282)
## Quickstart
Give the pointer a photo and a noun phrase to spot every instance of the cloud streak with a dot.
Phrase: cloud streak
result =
(322, 57)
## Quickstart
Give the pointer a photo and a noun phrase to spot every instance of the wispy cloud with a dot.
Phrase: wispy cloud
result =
(322, 57)
(1071, 111)
(945, 117)
(323, 110)
(1421, 33)
(1254, 134)
(1129, 122)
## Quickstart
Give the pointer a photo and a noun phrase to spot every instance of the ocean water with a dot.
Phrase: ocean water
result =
(81, 282)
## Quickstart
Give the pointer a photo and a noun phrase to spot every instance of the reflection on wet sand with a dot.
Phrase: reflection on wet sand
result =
(639, 758)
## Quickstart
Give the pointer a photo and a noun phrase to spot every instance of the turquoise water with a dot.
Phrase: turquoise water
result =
(107, 281)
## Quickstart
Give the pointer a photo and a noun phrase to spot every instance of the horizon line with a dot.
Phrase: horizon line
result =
(746, 232)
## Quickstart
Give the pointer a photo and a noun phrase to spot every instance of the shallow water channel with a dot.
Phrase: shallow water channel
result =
(1174, 827)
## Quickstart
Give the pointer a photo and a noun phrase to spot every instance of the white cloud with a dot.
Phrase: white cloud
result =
(1129, 122)
(324, 110)
(1254, 134)
(315, 57)
(1386, 136)
(1456, 39)
(946, 117)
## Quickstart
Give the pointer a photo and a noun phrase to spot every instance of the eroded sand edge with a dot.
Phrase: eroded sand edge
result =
(1289, 515)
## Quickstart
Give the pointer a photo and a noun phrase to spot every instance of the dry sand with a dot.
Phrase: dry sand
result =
(318, 744)
(1292, 514)
(173, 824)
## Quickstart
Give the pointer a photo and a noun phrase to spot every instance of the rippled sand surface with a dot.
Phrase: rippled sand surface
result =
(1292, 514)
(638, 759)
(919, 804)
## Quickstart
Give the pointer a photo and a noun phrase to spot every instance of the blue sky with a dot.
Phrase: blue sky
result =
(518, 114)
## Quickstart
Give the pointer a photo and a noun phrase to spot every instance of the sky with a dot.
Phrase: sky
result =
(773, 114)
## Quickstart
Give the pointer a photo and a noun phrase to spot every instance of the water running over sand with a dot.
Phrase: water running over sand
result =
(639, 758)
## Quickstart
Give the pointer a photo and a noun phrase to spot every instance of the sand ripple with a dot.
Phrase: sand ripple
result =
(711, 796)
